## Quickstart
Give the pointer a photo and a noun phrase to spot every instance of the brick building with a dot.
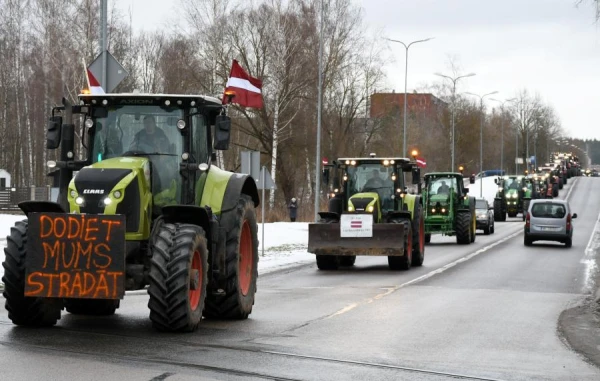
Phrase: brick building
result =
(383, 104)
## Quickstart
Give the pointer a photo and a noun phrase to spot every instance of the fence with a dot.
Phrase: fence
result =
(11, 197)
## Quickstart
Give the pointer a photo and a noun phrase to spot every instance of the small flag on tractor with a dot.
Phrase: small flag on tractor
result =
(243, 89)
(356, 224)
(421, 163)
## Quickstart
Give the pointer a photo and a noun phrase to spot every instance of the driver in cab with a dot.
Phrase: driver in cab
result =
(151, 138)
(443, 189)
(374, 182)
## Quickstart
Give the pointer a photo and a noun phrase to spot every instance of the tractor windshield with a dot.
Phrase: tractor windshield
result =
(440, 191)
(512, 183)
(373, 177)
(149, 131)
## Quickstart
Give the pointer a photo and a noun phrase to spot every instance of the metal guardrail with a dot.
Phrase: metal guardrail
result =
(11, 197)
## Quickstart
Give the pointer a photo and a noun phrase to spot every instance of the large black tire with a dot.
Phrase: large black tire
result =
(26, 311)
(463, 228)
(499, 213)
(493, 228)
(418, 237)
(93, 307)
(347, 260)
(178, 276)
(242, 264)
(328, 262)
(427, 237)
(555, 192)
(404, 262)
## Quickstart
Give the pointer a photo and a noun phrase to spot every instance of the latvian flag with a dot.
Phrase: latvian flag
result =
(245, 89)
(356, 224)
(421, 163)
(93, 84)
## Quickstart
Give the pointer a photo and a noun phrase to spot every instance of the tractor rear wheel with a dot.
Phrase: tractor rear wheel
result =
(178, 276)
(463, 228)
(404, 262)
(93, 307)
(418, 236)
(328, 262)
(241, 259)
(22, 310)
(347, 260)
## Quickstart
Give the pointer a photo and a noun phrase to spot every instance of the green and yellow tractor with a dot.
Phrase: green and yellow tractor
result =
(141, 206)
(448, 208)
(370, 212)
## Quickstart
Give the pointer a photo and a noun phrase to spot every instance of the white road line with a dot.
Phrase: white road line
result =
(425, 276)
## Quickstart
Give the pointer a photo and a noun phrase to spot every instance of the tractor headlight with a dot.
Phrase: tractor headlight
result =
(514, 195)
(432, 210)
(443, 210)
(350, 208)
(370, 208)
(79, 201)
(89, 123)
(107, 201)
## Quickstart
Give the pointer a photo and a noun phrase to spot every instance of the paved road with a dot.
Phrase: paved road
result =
(482, 311)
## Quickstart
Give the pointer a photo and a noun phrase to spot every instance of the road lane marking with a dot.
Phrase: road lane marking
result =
(448, 266)
(588, 260)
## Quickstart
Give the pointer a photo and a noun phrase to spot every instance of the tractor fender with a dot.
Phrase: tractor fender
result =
(40, 207)
(410, 200)
(399, 215)
(187, 214)
(239, 184)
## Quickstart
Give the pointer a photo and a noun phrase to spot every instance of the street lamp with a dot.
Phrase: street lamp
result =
(482, 117)
(502, 128)
(406, 84)
(454, 80)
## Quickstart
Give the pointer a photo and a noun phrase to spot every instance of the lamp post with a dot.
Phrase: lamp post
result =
(502, 128)
(454, 80)
(406, 84)
(482, 117)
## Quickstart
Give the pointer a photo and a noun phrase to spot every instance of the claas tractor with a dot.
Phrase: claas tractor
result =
(140, 207)
(370, 212)
(449, 210)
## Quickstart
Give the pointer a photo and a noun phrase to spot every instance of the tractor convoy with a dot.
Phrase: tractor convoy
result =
(141, 205)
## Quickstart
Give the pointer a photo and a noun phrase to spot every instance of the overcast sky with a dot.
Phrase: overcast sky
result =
(550, 47)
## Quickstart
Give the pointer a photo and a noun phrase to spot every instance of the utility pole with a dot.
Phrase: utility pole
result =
(319, 114)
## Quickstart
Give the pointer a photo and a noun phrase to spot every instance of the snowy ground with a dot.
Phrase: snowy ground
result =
(285, 244)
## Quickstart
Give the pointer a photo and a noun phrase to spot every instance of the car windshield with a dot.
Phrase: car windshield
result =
(481, 204)
(548, 210)
(372, 177)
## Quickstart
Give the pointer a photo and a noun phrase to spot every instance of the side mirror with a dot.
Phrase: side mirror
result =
(574, 215)
(53, 132)
(416, 175)
(325, 176)
(466, 190)
(222, 132)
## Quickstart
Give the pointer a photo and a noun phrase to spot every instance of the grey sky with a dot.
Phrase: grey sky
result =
(547, 46)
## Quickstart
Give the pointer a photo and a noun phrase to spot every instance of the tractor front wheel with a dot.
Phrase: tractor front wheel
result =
(328, 262)
(241, 261)
(22, 310)
(178, 276)
(463, 228)
(347, 260)
(404, 262)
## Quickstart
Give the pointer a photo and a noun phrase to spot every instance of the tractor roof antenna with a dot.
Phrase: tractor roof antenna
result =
(372, 154)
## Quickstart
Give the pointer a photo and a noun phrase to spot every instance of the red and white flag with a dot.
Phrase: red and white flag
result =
(247, 90)
(356, 224)
(93, 84)
(421, 163)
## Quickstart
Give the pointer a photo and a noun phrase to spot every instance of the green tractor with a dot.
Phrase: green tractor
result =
(509, 197)
(528, 192)
(370, 213)
(145, 209)
(448, 208)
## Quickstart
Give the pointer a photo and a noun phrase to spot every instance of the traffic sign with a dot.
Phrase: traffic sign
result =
(115, 73)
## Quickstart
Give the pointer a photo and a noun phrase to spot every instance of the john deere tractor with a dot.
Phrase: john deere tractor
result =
(448, 208)
(370, 212)
(509, 197)
(141, 207)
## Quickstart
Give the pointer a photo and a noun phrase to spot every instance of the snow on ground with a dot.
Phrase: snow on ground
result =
(285, 243)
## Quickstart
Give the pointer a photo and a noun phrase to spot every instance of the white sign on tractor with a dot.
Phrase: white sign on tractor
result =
(356, 225)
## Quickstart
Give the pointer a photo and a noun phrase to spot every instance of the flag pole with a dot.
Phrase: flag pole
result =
(319, 114)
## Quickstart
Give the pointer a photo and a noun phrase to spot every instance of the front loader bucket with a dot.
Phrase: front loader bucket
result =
(325, 239)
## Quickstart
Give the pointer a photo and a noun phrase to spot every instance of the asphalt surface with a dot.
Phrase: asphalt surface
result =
(484, 311)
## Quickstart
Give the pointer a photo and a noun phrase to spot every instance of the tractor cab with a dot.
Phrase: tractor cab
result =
(371, 185)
